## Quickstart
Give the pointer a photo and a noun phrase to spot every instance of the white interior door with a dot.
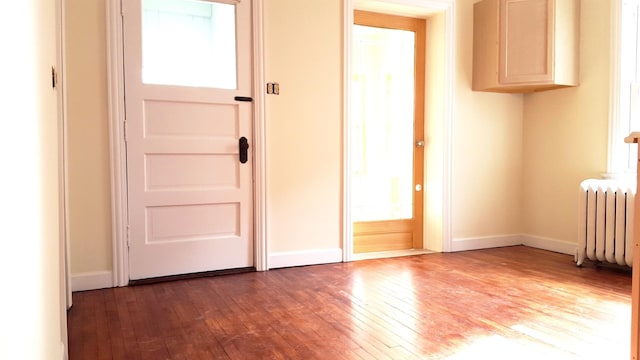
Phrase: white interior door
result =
(187, 75)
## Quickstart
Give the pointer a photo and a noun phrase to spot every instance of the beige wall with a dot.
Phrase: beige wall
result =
(88, 137)
(304, 129)
(517, 159)
(566, 134)
(303, 45)
(33, 313)
(487, 149)
(435, 112)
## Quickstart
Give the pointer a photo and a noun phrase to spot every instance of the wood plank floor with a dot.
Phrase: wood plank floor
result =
(506, 303)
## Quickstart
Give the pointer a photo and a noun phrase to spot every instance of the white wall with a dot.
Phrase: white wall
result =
(435, 129)
(516, 159)
(303, 52)
(303, 42)
(88, 137)
(487, 149)
(32, 312)
(566, 134)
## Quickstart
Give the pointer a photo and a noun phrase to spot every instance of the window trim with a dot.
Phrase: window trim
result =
(618, 160)
(613, 165)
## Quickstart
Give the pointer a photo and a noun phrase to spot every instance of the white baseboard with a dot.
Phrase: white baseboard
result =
(539, 242)
(64, 354)
(91, 280)
(485, 242)
(559, 246)
(104, 279)
(305, 257)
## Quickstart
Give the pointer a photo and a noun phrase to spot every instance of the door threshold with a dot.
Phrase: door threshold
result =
(390, 254)
(197, 275)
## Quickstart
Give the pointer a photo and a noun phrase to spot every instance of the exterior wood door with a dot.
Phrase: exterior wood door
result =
(188, 109)
(387, 103)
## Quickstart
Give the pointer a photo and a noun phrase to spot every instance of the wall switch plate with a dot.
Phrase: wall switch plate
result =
(273, 88)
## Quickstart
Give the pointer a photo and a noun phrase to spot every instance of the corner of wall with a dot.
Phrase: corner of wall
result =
(538, 242)
(544, 243)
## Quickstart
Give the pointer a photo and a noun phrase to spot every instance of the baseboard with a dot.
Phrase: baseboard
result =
(559, 246)
(64, 354)
(485, 242)
(305, 257)
(91, 280)
(104, 279)
(539, 242)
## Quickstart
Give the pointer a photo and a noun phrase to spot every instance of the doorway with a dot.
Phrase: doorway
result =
(387, 127)
(189, 127)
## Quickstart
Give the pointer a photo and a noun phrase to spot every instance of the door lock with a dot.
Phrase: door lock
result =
(243, 146)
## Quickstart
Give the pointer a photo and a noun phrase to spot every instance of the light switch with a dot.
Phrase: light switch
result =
(273, 88)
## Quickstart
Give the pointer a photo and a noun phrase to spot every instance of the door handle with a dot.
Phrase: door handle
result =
(243, 146)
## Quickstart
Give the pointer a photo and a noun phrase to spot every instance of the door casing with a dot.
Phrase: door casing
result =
(437, 209)
(400, 228)
(115, 75)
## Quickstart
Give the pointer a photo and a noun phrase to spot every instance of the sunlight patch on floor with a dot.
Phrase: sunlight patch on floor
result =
(497, 347)
(541, 339)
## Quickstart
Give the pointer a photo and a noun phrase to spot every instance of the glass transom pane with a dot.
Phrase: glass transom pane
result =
(189, 43)
(382, 117)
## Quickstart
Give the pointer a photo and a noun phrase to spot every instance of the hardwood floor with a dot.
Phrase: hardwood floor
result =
(506, 303)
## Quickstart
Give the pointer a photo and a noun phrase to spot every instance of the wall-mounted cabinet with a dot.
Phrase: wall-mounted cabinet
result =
(525, 45)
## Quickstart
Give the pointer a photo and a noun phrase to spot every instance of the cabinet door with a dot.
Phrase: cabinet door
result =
(526, 41)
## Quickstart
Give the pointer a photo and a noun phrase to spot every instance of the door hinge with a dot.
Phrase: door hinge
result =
(128, 236)
(125, 130)
(54, 77)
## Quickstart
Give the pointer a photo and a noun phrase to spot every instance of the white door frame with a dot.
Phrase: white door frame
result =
(62, 147)
(115, 78)
(440, 6)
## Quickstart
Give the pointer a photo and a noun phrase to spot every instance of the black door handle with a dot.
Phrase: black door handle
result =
(243, 146)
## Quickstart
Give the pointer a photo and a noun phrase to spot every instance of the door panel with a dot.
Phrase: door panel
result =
(387, 132)
(180, 223)
(191, 171)
(384, 235)
(189, 197)
(195, 119)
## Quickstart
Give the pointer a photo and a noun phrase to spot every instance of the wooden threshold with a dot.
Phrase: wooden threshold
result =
(160, 279)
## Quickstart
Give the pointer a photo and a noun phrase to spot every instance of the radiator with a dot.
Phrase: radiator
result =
(606, 221)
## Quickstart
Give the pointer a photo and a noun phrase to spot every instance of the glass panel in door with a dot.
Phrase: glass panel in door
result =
(189, 43)
(382, 120)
